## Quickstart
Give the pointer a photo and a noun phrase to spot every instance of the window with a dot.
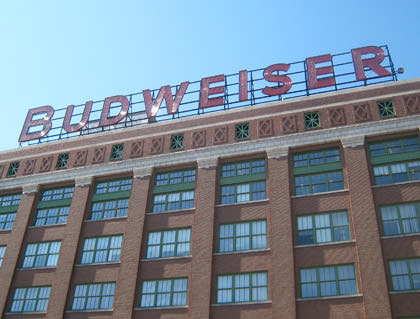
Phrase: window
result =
(169, 243)
(323, 228)
(242, 131)
(311, 120)
(328, 281)
(243, 182)
(31, 299)
(97, 296)
(10, 200)
(405, 274)
(396, 160)
(244, 287)
(43, 254)
(13, 169)
(243, 236)
(173, 191)
(164, 293)
(400, 219)
(101, 249)
(318, 171)
(386, 108)
(177, 142)
(117, 151)
(2, 252)
(53, 206)
(8, 207)
(62, 160)
(111, 199)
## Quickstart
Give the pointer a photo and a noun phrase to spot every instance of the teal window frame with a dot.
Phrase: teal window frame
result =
(242, 287)
(243, 236)
(174, 190)
(243, 181)
(395, 160)
(9, 205)
(405, 274)
(168, 292)
(327, 281)
(30, 299)
(318, 171)
(53, 206)
(111, 199)
(102, 249)
(93, 296)
(400, 219)
(2, 252)
(117, 151)
(329, 227)
(169, 243)
(41, 254)
(386, 108)
(62, 161)
(13, 169)
(242, 131)
(177, 142)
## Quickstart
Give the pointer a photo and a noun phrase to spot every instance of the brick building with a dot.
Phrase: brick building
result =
(305, 208)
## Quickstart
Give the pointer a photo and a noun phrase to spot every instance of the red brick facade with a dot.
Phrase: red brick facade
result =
(349, 121)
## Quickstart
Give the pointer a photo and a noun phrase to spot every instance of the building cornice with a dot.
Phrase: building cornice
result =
(387, 126)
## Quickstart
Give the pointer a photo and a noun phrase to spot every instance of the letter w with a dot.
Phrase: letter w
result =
(165, 92)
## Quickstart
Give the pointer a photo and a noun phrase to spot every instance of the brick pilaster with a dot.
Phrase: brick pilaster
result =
(280, 231)
(14, 242)
(202, 240)
(130, 254)
(69, 244)
(368, 245)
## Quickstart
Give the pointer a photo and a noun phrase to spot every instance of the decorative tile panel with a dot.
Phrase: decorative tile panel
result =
(29, 166)
(337, 117)
(220, 135)
(288, 124)
(46, 163)
(136, 149)
(362, 113)
(265, 128)
(157, 145)
(80, 159)
(198, 139)
(99, 155)
(412, 104)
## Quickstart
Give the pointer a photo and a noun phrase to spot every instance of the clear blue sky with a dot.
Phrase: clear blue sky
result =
(68, 52)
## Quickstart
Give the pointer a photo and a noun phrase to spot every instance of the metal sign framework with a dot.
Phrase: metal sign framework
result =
(343, 72)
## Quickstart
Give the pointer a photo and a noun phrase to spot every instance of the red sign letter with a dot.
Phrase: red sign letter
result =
(373, 63)
(45, 122)
(70, 128)
(105, 119)
(205, 91)
(165, 92)
(270, 77)
(313, 72)
(243, 85)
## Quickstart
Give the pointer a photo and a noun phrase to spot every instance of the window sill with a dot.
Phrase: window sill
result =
(111, 263)
(166, 258)
(395, 184)
(249, 303)
(37, 268)
(105, 219)
(5, 230)
(43, 313)
(404, 292)
(321, 193)
(173, 211)
(243, 252)
(400, 236)
(326, 244)
(241, 203)
(161, 308)
(90, 311)
(50, 225)
(329, 297)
